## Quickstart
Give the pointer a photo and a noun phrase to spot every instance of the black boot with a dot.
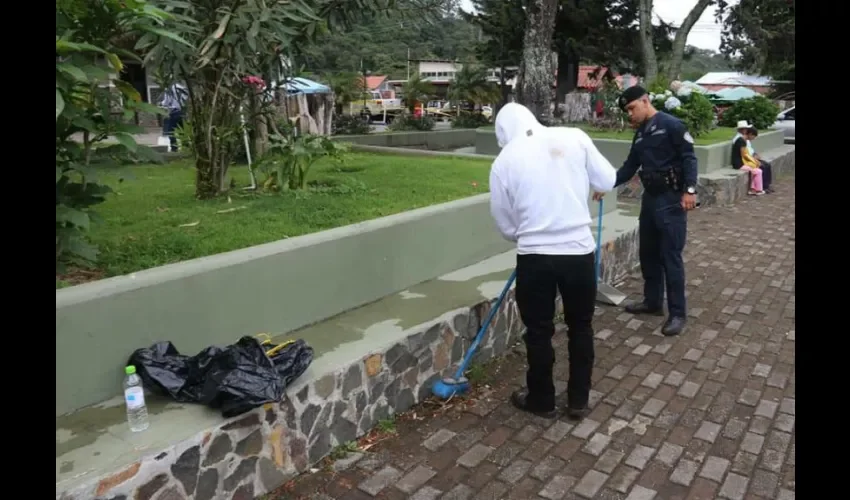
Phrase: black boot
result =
(520, 400)
(674, 326)
(644, 308)
(577, 413)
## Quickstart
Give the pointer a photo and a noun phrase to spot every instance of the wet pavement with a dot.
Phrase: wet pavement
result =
(709, 414)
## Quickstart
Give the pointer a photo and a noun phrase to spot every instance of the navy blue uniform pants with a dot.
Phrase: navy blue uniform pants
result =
(663, 230)
(538, 279)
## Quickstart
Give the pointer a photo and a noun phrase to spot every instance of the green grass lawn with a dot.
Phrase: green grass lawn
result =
(154, 218)
(720, 134)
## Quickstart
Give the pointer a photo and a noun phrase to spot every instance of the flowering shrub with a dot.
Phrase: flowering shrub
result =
(691, 107)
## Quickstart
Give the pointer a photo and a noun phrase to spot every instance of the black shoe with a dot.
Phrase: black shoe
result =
(644, 308)
(520, 400)
(673, 326)
(577, 413)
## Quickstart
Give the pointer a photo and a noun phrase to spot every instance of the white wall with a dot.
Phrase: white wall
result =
(438, 71)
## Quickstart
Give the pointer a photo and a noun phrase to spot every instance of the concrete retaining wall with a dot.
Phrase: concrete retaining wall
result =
(710, 158)
(256, 452)
(276, 287)
(725, 186)
(435, 139)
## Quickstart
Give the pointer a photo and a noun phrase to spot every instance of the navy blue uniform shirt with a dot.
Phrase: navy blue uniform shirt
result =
(660, 143)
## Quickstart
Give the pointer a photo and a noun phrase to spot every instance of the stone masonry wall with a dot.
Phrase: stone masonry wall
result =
(726, 186)
(732, 187)
(260, 450)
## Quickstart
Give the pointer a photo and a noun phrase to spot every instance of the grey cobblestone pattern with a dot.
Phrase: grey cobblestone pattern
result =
(727, 186)
(709, 414)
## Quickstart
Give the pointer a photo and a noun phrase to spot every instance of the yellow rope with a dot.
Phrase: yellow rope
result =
(271, 352)
(268, 340)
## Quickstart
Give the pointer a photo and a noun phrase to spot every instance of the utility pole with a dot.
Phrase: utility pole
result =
(408, 64)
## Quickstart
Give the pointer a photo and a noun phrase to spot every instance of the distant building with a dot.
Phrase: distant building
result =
(442, 72)
(380, 83)
(726, 80)
(439, 72)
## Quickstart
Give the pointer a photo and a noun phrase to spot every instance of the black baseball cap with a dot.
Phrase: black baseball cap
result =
(629, 95)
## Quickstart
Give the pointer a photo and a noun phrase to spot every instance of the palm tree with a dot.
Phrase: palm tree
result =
(416, 89)
(347, 87)
(471, 85)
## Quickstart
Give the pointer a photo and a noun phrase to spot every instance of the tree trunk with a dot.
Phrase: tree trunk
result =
(568, 63)
(647, 44)
(535, 86)
(577, 107)
(681, 38)
(261, 136)
(206, 182)
(503, 88)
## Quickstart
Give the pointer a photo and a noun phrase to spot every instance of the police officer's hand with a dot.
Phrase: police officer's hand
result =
(689, 201)
(598, 196)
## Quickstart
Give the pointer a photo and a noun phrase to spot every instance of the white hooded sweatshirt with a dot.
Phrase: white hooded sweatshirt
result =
(540, 184)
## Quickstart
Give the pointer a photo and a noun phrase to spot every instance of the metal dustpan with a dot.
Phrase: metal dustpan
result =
(605, 293)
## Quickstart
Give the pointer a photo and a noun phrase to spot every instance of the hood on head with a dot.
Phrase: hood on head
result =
(514, 120)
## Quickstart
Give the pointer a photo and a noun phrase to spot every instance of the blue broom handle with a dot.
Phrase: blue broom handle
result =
(484, 326)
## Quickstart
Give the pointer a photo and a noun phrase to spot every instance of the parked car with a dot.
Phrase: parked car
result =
(785, 122)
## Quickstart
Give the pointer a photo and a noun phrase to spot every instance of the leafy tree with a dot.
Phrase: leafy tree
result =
(762, 33)
(648, 40)
(416, 90)
(501, 24)
(697, 62)
(421, 29)
(601, 32)
(232, 40)
(92, 102)
(471, 85)
(347, 87)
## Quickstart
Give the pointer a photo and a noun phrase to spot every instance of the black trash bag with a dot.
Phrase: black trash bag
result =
(234, 379)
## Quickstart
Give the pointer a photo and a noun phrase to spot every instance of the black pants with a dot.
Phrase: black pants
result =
(663, 229)
(766, 174)
(539, 278)
(170, 124)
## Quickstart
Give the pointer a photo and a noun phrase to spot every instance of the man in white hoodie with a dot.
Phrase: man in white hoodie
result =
(539, 189)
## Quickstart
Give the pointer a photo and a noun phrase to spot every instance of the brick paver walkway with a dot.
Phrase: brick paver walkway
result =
(707, 415)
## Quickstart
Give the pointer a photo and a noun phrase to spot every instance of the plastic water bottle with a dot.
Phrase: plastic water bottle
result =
(134, 397)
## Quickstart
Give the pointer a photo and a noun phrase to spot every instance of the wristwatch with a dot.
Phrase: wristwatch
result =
(691, 190)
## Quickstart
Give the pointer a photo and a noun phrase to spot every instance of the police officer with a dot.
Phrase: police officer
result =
(662, 154)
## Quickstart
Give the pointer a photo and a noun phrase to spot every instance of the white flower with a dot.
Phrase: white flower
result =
(668, 93)
(684, 92)
(672, 103)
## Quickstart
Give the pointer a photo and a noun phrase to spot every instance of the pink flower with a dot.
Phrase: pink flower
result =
(256, 81)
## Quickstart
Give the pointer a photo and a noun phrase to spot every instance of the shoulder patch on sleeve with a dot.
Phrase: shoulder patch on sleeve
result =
(688, 137)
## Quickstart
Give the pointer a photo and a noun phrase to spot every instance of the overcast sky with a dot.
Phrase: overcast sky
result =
(705, 34)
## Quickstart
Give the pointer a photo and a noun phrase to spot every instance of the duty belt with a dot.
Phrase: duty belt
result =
(657, 183)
